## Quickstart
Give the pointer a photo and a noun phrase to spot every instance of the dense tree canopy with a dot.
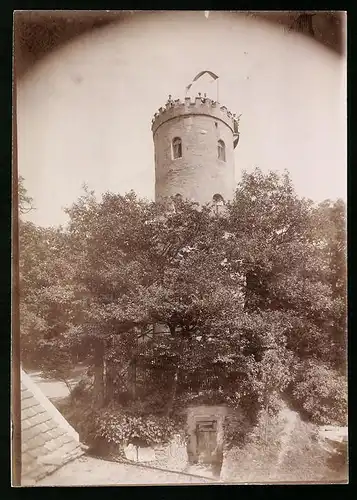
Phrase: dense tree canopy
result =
(179, 305)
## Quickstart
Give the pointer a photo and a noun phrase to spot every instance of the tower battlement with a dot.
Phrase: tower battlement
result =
(188, 107)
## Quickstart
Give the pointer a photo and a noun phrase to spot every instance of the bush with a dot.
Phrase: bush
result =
(107, 430)
(121, 428)
(82, 391)
(321, 393)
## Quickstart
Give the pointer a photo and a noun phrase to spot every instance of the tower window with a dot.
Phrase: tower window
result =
(176, 201)
(218, 203)
(221, 150)
(176, 148)
(178, 197)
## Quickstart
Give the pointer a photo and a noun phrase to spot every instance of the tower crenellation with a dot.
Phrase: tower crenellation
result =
(199, 105)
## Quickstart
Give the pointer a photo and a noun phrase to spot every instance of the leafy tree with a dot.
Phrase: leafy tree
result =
(329, 233)
(47, 303)
(186, 305)
(184, 271)
(25, 201)
(321, 392)
(138, 272)
(273, 243)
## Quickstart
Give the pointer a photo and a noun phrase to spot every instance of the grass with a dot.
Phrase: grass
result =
(298, 457)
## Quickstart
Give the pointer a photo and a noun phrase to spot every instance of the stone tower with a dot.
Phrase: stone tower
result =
(194, 144)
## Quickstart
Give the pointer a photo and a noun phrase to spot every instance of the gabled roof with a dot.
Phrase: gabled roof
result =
(48, 441)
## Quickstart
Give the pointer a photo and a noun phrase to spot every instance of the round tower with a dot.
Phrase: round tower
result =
(194, 144)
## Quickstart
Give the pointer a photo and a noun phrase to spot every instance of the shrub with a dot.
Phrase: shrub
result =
(116, 426)
(82, 391)
(108, 430)
(321, 392)
(237, 430)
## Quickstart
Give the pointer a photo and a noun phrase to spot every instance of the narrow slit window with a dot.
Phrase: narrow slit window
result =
(221, 151)
(176, 148)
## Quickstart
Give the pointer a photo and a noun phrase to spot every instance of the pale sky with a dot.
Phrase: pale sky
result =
(84, 113)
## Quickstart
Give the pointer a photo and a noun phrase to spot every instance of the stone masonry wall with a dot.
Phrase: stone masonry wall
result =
(199, 174)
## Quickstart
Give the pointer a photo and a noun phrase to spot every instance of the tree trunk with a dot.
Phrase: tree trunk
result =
(173, 393)
(68, 385)
(133, 378)
(109, 382)
(99, 374)
(172, 397)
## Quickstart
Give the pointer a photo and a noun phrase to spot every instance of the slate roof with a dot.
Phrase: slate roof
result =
(48, 441)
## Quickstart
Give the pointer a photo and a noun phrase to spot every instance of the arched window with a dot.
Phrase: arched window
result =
(176, 148)
(221, 150)
(218, 203)
(218, 199)
(176, 201)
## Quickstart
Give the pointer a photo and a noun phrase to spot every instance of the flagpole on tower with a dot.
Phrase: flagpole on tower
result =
(215, 78)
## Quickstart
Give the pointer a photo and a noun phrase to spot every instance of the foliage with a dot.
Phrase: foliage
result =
(237, 430)
(46, 294)
(47, 297)
(25, 201)
(169, 307)
(120, 427)
(329, 233)
(81, 392)
(115, 426)
(321, 392)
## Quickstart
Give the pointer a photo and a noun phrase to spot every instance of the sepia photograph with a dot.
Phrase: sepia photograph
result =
(179, 302)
